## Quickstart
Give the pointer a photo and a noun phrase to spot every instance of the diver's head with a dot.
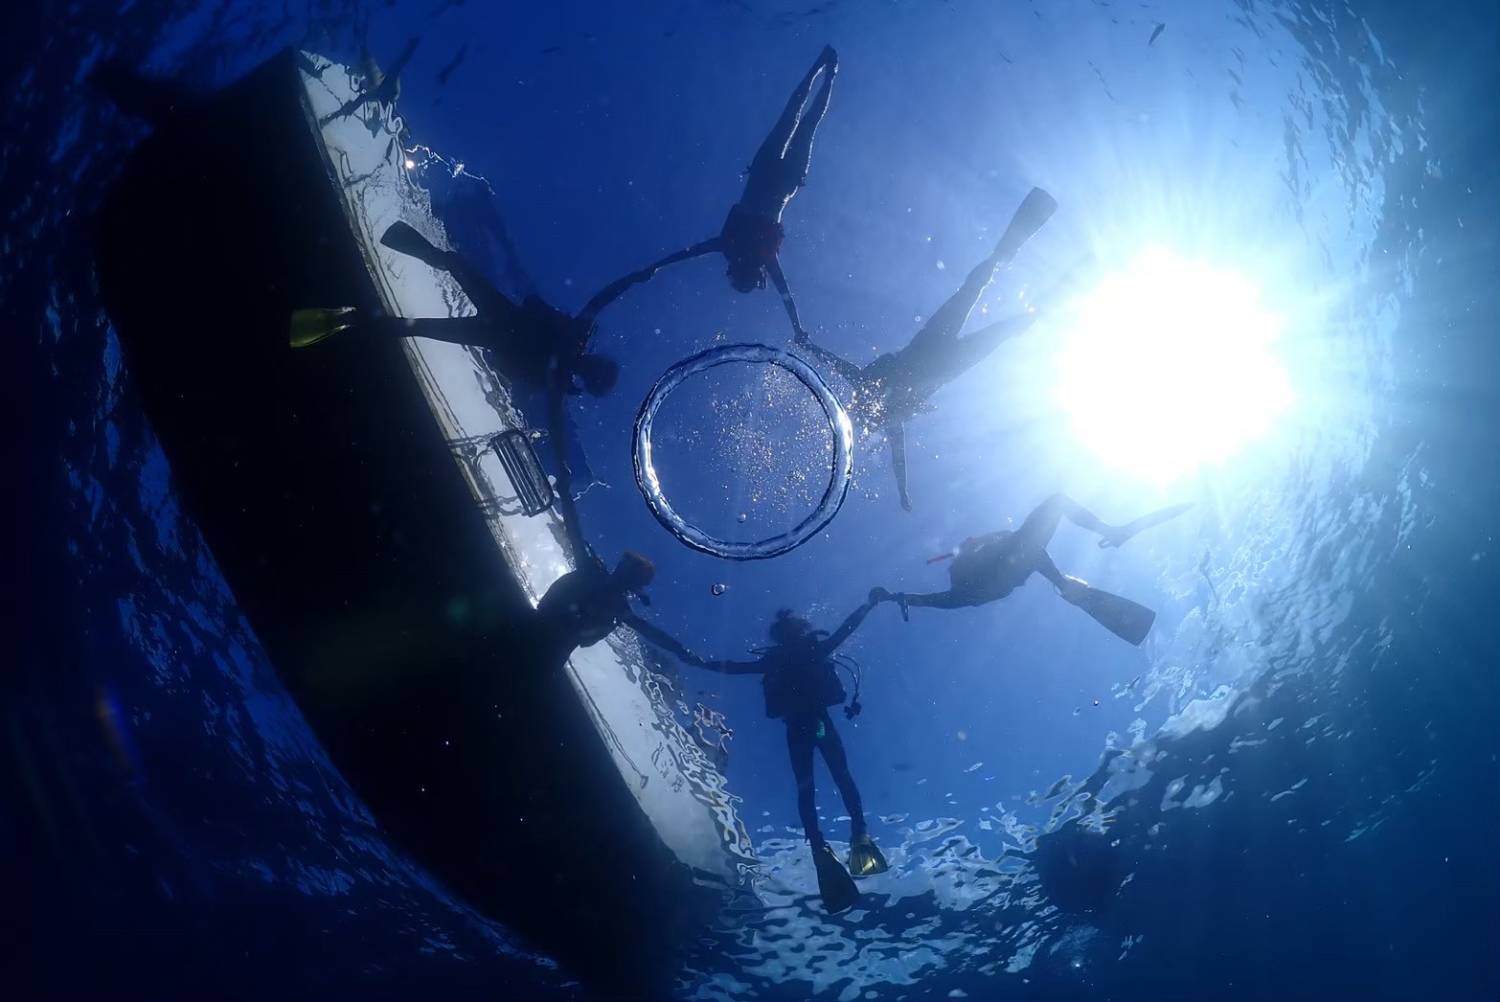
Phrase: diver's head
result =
(788, 628)
(598, 373)
(634, 572)
(746, 274)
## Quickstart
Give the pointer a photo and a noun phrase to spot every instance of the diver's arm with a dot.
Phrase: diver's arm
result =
(661, 638)
(617, 288)
(841, 365)
(896, 435)
(557, 431)
(778, 278)
(847, 628)
(674, 647)
(727, 667)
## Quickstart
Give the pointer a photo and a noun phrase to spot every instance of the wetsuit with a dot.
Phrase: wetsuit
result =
(751, 237)
(990, 567)
(532, 341)
(897, 385)
(580, 609)
(800, 683)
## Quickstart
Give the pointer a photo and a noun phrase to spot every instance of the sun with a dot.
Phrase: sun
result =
(1170, 365)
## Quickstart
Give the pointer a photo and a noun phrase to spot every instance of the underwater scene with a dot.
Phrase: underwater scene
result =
(752, 499)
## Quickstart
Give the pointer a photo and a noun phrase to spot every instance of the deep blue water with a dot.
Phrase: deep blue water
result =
(1296, 777)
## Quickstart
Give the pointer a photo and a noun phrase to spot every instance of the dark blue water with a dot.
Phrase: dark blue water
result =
(1291, 791)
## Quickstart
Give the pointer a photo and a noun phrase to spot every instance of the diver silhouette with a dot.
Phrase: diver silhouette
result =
(751, 237)
(531, 340)
(800, 680)
(896, 386)
(586, 604)
(988, 568)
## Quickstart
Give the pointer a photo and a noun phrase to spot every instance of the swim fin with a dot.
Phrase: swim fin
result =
(865, 859)
(311, 326)
(1125, 619)
(835, 885)
(1033, 214)
(403, 239)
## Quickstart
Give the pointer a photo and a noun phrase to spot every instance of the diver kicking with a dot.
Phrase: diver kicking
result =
(988, 568)
(532, 341)
(752, 234)
(897, 385)
(800, 681)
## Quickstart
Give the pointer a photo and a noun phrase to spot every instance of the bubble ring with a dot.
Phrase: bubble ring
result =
(838, 423)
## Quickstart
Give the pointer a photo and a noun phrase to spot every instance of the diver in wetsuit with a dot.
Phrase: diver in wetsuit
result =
(800, 681)
(752, 234)
(897, 385)
(531, 340)
(988, 568)
(586, 604)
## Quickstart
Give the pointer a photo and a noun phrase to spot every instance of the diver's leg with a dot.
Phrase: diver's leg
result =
(798, 157)
(1036, 208)
(800, 738)
(1119, 535)
(781, 133)
(1069, 587)
(949, 319)
(1029, 543)
(953, 358)
(471, 331)
(1128, 620)
(488, 300)
(832, 747)
(838, 363)
(1037, 531)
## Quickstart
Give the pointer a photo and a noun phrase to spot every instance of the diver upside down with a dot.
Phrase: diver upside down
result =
(898, 385)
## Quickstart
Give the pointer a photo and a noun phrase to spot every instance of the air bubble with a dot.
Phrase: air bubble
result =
(833, 495)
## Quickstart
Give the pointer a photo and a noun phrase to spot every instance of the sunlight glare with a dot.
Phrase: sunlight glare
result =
(1169, 365)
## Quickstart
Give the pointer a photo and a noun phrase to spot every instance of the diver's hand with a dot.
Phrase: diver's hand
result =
(1114, 536)
(878, 595)
(829, 59)
(800, 335)
(905, 502)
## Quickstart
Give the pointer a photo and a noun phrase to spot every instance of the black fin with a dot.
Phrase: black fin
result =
(1130, 621)
(835, 885)
(401, 237)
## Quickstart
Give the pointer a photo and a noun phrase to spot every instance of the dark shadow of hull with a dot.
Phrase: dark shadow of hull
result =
(334, 509)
